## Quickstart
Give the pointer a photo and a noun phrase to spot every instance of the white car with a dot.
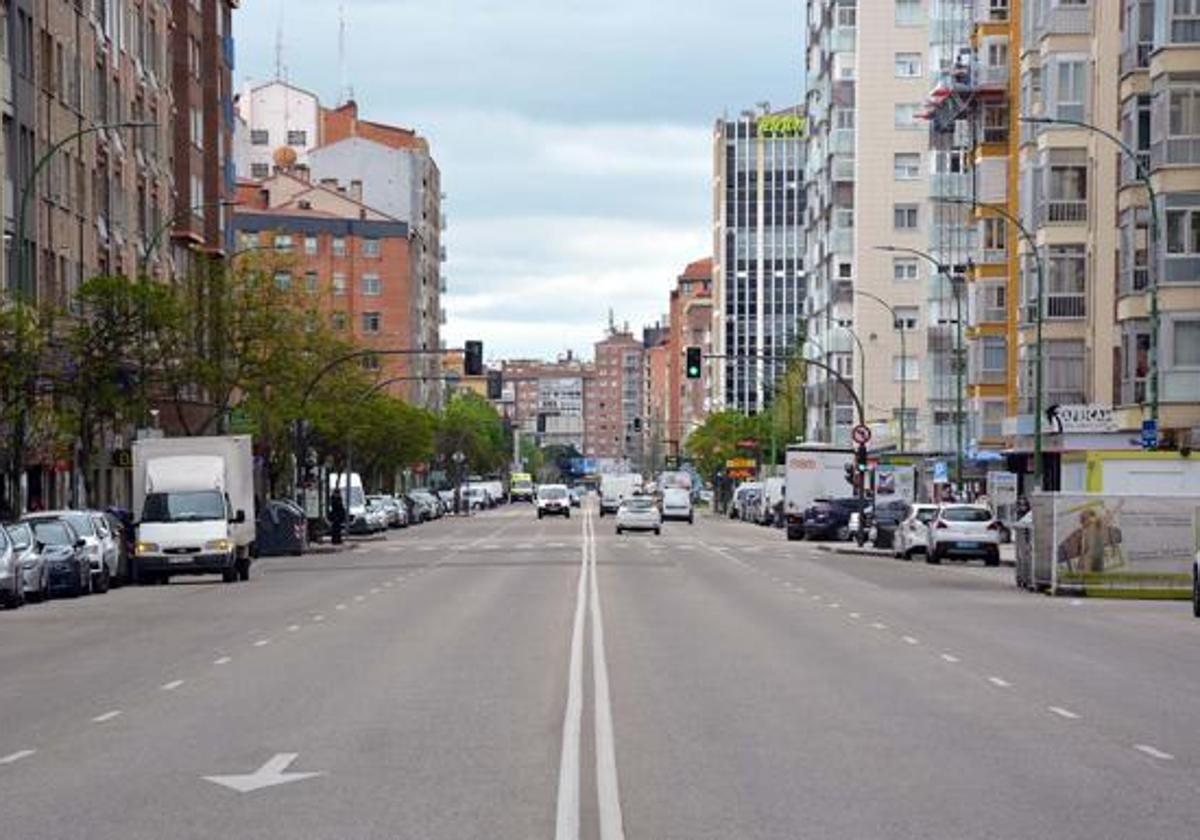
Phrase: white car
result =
(912, 535)
(553, 500)
(109, 545)
(677, 504)
(638, 513)
(964, 532)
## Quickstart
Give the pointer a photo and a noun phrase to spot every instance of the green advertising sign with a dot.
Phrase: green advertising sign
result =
(782, 125)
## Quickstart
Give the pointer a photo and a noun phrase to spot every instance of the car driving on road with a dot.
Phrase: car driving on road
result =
(638, 513)
(964, 532)
(677, 505)
(553, 500)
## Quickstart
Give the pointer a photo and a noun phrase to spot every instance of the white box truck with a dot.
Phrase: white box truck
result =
(615, 488)
(193, 505)
(814, 471)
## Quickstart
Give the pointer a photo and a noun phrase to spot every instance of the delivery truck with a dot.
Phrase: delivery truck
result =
(193, 507)
(814, 471)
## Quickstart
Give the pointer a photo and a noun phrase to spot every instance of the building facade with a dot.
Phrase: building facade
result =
(353, 260)
(546, 401)
(759, 281)
(614, 431)
(690, 324)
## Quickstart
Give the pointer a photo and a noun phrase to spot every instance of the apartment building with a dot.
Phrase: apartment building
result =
(545, 401)
(614, 432)
(201, 52)
(759, 281)
(269, 116)
(1159, 111)
(353, 259)
(690, 324)
(656, 387)
(867, 179)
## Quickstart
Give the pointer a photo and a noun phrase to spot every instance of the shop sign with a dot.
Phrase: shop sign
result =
(1085, 419)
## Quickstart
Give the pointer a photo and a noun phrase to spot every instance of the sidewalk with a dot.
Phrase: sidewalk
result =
(1008, 551)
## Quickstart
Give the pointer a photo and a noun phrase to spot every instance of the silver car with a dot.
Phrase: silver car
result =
(34, 574)
(83, 523)
(639, 513)
(12, 582)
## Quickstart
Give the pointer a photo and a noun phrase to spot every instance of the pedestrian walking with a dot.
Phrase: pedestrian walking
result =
(337, 516)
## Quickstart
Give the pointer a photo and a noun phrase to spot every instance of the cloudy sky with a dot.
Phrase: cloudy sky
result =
(574, 137)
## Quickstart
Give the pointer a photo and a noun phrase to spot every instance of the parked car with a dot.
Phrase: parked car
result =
(35, 576)
(553, 500)
(829, 519)
(475, 496)
(101, 554)
(884, 518)
(12, 581)
(110, 547)
(964, 532)
(741, 498)
(64, 551)
(912, 534)
(432, 506)
(638, 513)
(377, 518)
(391, 508)
(677, 505)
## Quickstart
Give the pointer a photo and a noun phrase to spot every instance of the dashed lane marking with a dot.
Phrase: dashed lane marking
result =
(318, 617)
(1064, 713)
(999, 683)
(172, 685)
(262, 643)
(224, 660)
(856, 616)
(1154, 752)
(878, 625)
(107, 716)
(911, 640)
(13, 758)
(340, 607)
(946, 657)
(293, 628)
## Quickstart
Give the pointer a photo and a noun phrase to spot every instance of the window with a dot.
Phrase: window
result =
(260, 137)
(259, 171)
(1185, 21)
(1185, 344)
(370, 247)
(249, 241)
(339, 283)
(297, 138)
(906, 166)
(847, 15)
(370, 323)
(907, 317)
(908, 65)
(311, 282)
(1183, 121)
(370, 362)
(1183, 232)
(283, 242)
(904, 216)
(339, 246)
(906, 115)
(905, 369)
(910, 420)
(1070, 101)
(310, 245)
(908, 13)
(283, 280)
(1066, 282)
(1067, 186)
(905, 269)
(995, 355)
(371, 285)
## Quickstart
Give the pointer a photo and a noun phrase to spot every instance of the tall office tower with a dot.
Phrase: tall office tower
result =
(758, 251)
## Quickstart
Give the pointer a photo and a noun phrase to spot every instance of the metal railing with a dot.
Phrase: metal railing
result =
(1066, 211)
(1066, 306)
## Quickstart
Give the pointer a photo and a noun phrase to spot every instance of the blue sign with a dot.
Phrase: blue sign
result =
(1150, 434)
(941, 472)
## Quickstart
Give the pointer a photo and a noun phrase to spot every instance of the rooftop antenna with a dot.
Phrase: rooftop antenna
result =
(343, 94)
(612, 322)
(279, 46)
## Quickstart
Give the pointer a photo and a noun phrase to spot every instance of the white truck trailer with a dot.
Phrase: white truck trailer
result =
(814, 471)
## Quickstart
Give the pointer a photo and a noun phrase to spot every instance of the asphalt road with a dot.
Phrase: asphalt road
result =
(502, 677)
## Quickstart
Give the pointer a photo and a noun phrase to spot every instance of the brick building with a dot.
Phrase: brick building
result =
(356, 260)
(613, 413)
(690, 323)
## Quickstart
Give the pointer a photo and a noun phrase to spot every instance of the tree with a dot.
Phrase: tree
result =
(22, 340)
(470, 425)
(716, 441)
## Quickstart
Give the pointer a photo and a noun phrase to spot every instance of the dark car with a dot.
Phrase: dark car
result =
(829, 519)
(64, 554)
(886, 517)
(33, 568)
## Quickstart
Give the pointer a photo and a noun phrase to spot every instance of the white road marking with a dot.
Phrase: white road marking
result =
(375, 590)
(318, 617)
(172, 685)
(293, 628)
(948, 658)
(911, 640)
(800, 590)
(878, 625)
(999, 683)
(107, 716)
(856, 616)
(262, 643)
(567, 815)
(340, 607)
(13, 758)
(1076, 603)
(816, 597)
(1064, 713)
(224, 660)
(358, 599)
(608, 796)
(387, 584)
(834, 606)
(1153, 752)
(269, 775)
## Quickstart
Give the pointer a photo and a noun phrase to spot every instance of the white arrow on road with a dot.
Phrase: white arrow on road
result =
(269, 775)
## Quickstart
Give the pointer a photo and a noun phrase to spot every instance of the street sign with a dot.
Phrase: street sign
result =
(1150, 434)
(941, 472)
(861, 435)
(740, 464)
(740, 474)
(1002, 487)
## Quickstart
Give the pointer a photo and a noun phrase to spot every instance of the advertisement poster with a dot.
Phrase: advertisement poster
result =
(1125, 537)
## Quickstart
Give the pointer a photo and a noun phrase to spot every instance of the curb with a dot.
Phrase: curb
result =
(879, 552)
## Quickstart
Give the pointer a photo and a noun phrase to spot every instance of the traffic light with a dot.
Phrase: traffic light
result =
(495, 385)
(851, 475)
(693, 362)
(473, 359)
(637, 424)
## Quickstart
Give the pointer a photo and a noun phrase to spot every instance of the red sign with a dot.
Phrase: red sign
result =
(861, 435)
(749, 443)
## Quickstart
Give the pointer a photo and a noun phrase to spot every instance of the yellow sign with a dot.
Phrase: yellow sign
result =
(741, 464)
(782, 125)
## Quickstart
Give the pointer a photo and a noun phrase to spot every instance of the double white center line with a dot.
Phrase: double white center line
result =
(608, 798)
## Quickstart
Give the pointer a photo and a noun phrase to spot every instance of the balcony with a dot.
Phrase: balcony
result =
(993, 256)
(992, 76)
(1133, 391)
(841, 141)
(843, 241)
(844, 38)
(1059, 307)
(1071, 211)
(843, 168)
(1136, 57)
(949, 184)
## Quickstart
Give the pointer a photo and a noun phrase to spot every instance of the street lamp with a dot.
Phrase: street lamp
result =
(1039, 354)
(23, 288)
(1143, 175)
(898, 324)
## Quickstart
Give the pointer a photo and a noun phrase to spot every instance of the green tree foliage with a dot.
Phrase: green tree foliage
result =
(471, 425)
(713, 443)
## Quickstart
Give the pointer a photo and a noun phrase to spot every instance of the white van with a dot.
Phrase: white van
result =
(351, 487)
(677, 505)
